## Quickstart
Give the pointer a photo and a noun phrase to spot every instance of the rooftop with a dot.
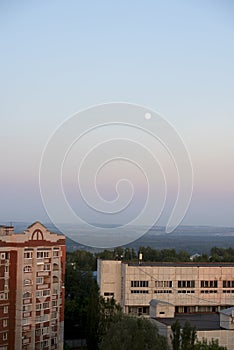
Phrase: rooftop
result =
(202, 322)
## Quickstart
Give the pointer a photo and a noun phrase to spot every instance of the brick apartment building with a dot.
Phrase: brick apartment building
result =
(32, 269)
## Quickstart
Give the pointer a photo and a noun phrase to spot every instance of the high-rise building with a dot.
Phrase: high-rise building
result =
(32, 269)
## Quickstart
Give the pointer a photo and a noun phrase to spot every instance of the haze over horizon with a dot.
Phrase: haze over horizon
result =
(174, 57)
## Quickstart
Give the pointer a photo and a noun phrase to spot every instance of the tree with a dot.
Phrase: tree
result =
(133, 333)
(175, 338)
(212, 345)
(188, 337)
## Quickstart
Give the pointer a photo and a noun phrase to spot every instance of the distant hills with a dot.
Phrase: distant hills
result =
(193, 239)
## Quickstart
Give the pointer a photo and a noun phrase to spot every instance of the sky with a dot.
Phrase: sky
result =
(173, 57)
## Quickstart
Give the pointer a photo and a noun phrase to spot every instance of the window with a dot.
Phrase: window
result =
(55, 279)
(6, 268)
(42, 254)
(55, 253)
(26, 321)
(26, 308)
(228, 284)
(46, 267)
(46, 292)
(26, 295)
(2, 256)
(54, 303)
(55, 267)
(139, 284)
(108, 294)
(53, 314)
(5, 309)
(46, 305)
(28, 255)
(186, 284)
(165, 284)
(27, 282)
(38, 307)
(4, 323)
(53, 341)
(39, 280)
(139, 291)
(209, 284)
(4, 336)
(27, 268)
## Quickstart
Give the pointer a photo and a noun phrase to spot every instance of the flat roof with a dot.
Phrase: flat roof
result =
(201, 321)
(182, 264)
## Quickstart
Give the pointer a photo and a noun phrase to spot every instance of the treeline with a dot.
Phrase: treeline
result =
(88, 261)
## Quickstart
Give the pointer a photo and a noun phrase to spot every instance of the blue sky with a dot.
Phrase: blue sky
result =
(175, 57)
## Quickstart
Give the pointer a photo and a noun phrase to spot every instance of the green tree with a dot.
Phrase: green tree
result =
(188, 337)
(212, 345)
(176, 335)
(133, 333)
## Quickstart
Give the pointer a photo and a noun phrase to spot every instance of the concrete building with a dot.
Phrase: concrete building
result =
(208, 326)
(32, 269)
(190, 287)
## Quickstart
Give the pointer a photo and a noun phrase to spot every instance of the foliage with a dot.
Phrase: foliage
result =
(133, 333)
(212, 345)
(185, 339)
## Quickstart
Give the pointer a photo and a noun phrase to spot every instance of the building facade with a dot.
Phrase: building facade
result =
(189, 287)
(32, 270)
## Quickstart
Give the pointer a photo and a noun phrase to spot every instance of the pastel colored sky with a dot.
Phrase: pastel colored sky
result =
(176, 57)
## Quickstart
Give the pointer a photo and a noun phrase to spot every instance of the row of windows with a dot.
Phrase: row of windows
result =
(208, 291)
(40, 293)
(183, 284)
(139, 291)
(163, 291)
(209, 284)
(185, 291)
(228, 284)
(139, 283)
(186, 284)
(165, 284)
(41, 254)
(46, 267)
(40, 280)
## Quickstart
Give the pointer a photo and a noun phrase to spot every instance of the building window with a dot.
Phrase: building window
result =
(139, 291)
(53, 314)
(55, 279)
(228, 284)
(46, 305)
(137, 284)
(26, 295)
(6, 268)
(43, 254)
(109, 294)
(27, 268)
(4, 336)
(209, 284)
(27, 282)
(4, 323)
(165, 284)
(54, 303)
(39, 280)
(46, 267)
(2, 256)
(186, 284)
(55, 253)
(55, 267)
(28, 255)
(5, 309)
